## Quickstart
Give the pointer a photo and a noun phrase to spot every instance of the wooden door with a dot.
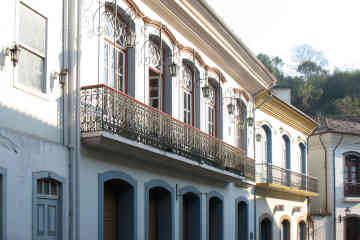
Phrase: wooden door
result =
(185, 219)
(110, 214)
(153, 216)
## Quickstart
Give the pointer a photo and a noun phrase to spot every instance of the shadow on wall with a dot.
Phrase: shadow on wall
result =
(33, 121)
(267, 227)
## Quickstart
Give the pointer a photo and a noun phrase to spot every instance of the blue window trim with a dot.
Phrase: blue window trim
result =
(148, 186)
(3, 232)
(183, 191)
(111, 175)
(303, 158)
(237, 201)
(268, 143)
(288, 151)
(63, 196)
(221, 197)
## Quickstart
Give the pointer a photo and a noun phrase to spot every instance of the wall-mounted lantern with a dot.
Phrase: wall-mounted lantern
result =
(130, 39)
(173, 69)
(14, 53)
(258, 137)
(250, 121)
(231, 108)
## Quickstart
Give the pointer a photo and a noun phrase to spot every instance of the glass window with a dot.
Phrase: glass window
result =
(212, 112)
(114, 65)
(33, 48)
(187, 75)
(155, 91)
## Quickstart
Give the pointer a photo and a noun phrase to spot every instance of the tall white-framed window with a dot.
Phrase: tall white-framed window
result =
(114, 66)
(115, 55)
(187, 75)
(32, 40)
(211, 112)
(155, 76)
(155, 91)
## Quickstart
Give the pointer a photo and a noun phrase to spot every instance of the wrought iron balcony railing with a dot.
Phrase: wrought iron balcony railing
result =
(268, 173)
(106, 109)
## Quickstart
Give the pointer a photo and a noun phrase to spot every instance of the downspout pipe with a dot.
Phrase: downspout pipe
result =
(326, 175)
(334, 186)
(73, 118)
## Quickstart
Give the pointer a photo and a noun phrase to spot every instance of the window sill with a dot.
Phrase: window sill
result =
(35, 92)
(352, 199)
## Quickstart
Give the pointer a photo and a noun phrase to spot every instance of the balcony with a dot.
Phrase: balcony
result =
(279, 179)
(111, 114)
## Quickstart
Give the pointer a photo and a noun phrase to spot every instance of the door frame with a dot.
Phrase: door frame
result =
(115, 175)
(63, 195)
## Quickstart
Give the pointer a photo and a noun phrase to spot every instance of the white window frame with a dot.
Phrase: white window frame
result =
(211, 125)
(110, 71)
(160, 90)
(43, 93)
(188, 111)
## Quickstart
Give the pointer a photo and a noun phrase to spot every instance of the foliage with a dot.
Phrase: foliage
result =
(314, 90)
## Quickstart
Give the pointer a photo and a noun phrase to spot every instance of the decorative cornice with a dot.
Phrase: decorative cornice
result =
(157, 24)
(285, 113)
(243, 93)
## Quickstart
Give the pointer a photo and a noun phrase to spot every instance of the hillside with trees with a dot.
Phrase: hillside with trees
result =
(316, 90)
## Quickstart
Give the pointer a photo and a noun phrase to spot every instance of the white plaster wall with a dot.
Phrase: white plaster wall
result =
(94, 162)
(21, 108)
(266, 205)
(348, 144)
(22, 155)
(92, 69)
(278, 129)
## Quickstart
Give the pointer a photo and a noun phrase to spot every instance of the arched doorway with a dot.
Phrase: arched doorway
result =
(191, 214)
(266, 229)
(215, 218)
(302, 230)
(118, 210)
(352, 227)
(160, 214)
(285, 230)
(242, 221)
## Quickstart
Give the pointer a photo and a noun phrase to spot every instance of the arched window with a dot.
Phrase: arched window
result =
(241, 115)
(266, 229)
(285, 230)
(286, 161)
(242, 221)
(115, 53)
(352, 175)
(267, 144)
(212, 114)
(188, 94)
(302, 159)
(302, 231)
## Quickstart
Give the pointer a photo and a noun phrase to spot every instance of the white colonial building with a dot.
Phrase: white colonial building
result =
(283, 184)
(135, 120)
(334, 151)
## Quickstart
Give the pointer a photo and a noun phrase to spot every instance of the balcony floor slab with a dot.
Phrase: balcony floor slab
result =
(148, 154)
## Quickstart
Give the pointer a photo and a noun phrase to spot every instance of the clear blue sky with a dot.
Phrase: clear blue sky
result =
(275, 27)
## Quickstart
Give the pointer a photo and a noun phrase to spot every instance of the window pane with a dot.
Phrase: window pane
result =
(31, 70)
(106, 62)
(32, 29)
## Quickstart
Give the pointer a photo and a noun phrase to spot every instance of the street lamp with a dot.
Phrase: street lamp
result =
(14, 54)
